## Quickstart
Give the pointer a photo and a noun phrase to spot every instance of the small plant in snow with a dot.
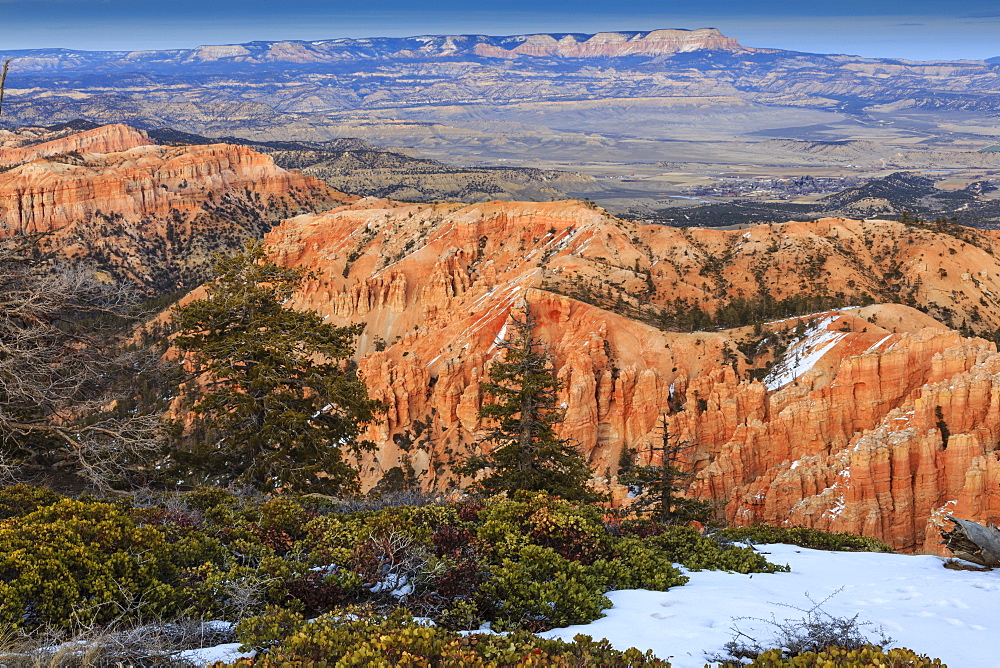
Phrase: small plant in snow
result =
(815, 631)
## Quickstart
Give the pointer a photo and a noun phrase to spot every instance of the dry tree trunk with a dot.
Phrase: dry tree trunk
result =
(973, 542)
(3, 80)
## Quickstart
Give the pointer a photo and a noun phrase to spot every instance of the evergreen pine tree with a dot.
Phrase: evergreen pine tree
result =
(527, 454)
(657, 487)
(280, 398)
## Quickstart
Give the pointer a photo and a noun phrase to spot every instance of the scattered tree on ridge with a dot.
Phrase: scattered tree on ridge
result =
(657, 488)
(278, 393)
(527, 454)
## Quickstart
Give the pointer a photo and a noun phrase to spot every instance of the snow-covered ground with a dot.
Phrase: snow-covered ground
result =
(947, 614)
(206, 656)
(951, 615)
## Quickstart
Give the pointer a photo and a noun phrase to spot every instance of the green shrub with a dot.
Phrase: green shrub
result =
(19, 500)
(687, 547)
(836, 657)
(575, 531)
(76, 562)
(397, 640)
(636, 565)
(264, 631)
(803, 537)
(207, 498)
(540, 589)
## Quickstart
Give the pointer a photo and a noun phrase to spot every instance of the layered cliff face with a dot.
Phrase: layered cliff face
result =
(30, 144)
(615, 44)
(152, 214)
(875, 419)
(563, 45)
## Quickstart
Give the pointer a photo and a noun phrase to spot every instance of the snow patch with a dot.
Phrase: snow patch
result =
(947, 614)
(804, 353)
(876, 346)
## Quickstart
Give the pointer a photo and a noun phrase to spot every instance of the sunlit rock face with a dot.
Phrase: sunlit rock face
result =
(148, 213)
(876, 420)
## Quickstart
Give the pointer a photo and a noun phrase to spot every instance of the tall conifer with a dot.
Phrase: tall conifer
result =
(278, 393)
(658, 488)
(522, 413)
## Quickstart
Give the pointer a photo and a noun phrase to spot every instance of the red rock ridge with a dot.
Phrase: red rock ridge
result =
(141, 207)
(105, 139)
(145, 181)
(850, 441)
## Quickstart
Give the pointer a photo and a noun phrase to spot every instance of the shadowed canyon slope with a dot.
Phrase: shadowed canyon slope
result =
(875, 419)
(152, 214)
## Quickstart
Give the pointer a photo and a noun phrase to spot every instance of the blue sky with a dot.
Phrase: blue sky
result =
(918, 29)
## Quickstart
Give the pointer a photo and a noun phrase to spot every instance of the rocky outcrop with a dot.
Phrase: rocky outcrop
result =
(34, 143)
(152, 214)
(836, 420)
(615, 44)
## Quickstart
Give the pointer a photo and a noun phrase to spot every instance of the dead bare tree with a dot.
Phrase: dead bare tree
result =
(3, 80)
(67, 380)
(973, 542)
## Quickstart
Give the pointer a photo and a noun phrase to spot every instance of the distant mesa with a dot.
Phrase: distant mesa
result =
(995, 60)
(548, 45)
(615, 44)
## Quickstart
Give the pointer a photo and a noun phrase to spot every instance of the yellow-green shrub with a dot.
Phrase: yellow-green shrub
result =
(836, 657)
(397, 640)
(687, 547)
(19, 500)
(538, 590)
(80, 562)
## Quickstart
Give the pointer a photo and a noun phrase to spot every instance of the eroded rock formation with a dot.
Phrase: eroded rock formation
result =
(878, 419)
(149, 213)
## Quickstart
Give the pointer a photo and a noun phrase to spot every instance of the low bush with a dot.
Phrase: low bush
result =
(527, 562)
(79, 563)
(838, 657)
(687, 547)
(19, 500)
(803, 537)
(359, 639)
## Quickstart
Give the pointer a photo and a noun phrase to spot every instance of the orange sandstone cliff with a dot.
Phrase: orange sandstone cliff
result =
(876, 419)
(149, 213)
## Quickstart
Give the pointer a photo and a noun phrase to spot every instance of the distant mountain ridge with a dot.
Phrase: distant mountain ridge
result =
(479, 99)
(995, 60)
(558, 45)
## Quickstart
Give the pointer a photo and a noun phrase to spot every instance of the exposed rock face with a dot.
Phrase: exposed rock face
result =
(34, 144)
(844, 432)
(577, 45)
(150, 213)
(615, 44)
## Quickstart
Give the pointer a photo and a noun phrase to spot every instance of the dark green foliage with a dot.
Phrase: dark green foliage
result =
(687, 547)
(73, 563)
(537, 589)
(740, 312)
(803, 537)
(942, 426)
(279, 394)
(658, 488)
(364, 639)
(527, 454)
